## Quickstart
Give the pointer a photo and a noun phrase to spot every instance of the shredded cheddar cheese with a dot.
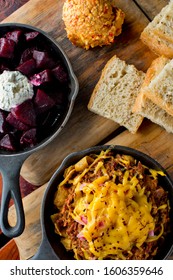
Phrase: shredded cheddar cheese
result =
(117, 215)
(109, 205)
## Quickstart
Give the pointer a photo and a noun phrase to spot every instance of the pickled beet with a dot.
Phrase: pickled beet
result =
(25, 113)
(42, 101)
(6, 48)
(31, 35)
(27, 68)
(41, 78)
(43, 60)
(14, 35)
(60, 74)
(26, 54)
(8, 142)
(29, 138)
(11, 119)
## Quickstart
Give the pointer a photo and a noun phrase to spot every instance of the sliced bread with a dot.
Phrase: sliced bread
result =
(115, 93)
(160, 89)
(145, 106)
(156, 33)
(164, 29)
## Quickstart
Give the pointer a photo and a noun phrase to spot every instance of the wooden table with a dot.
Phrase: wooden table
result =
(84, 129)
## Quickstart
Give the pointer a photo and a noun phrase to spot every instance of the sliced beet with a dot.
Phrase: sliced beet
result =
(41, 78)
(27, 54)
(6, 48)
(8, 142)
(3, 123)
(14, 35)
(43, 60)
(31, 35)
(29, 138)
(27, 68)
(60, 74)
(11, 119)
(25, 113)
(43, 102)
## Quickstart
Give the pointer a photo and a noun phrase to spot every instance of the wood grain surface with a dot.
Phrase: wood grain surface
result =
(85, 129)
(7, 7)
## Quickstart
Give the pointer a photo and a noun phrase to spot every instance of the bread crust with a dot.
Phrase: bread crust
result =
(91, 101)
(145, 106)
(154, 69)
(159, 42)
(158, 45)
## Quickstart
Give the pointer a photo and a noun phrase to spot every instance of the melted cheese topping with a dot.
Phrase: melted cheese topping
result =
(115, 216)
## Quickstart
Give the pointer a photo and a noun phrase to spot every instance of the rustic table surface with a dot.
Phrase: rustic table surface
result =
(39, 167)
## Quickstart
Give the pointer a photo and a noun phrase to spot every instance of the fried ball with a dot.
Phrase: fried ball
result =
(92, 23)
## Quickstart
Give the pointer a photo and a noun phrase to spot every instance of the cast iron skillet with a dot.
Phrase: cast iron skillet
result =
(50, 247)
(10, 163)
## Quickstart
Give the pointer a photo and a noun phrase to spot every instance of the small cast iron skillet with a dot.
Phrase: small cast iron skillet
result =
(51, 247)
(10, 163)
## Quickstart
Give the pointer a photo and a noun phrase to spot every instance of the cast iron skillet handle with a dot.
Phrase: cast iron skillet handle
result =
(45, 252)
(10, 169)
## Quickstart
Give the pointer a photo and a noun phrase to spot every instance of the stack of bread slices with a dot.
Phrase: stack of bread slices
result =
(155, 99)
(126, 95)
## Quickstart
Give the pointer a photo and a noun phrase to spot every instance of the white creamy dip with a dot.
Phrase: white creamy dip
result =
(14, 89)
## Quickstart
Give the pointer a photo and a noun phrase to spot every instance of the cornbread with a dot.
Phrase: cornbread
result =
(92, 23)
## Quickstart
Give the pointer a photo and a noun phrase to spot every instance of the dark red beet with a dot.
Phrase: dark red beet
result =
(31, 35)
(6, 48)
(26, 55)
(14, 35)
(8, 142)
(29, 138)
(27, 68)
(60, 74)
(43, 102)
(41, 78)
(25, 113)
(16, 123)
(3, 124)
(43, 60)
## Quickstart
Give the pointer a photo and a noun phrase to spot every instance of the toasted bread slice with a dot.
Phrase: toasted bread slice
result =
(115, 93)
(156, 33)
(145, 106)
(152, 72)
(160, 89)
(164, 29)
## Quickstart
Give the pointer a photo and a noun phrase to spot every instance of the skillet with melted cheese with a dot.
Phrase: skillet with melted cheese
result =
(111, 207)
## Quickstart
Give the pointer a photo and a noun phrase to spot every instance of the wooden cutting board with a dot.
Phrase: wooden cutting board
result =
(84, 129)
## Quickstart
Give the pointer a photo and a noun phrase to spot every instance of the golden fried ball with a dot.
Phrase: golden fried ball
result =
(91, 23)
